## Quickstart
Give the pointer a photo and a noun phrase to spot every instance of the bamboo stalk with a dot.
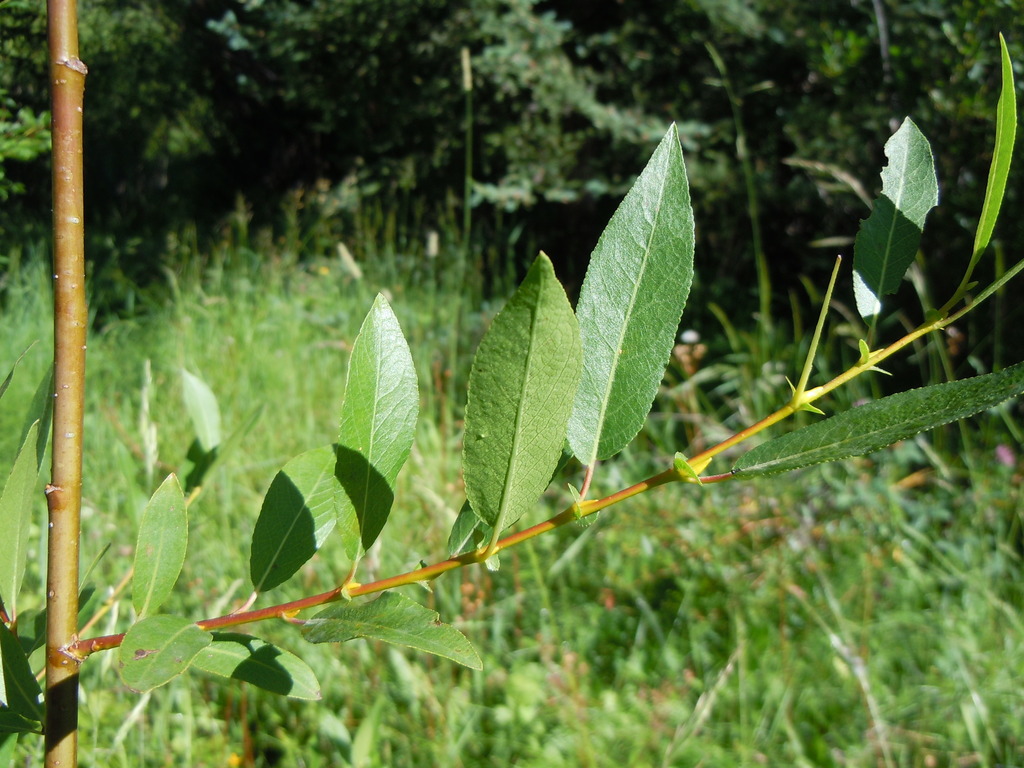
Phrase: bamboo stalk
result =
(64, 492)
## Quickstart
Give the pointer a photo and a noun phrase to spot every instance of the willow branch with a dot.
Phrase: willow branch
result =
(82, 649)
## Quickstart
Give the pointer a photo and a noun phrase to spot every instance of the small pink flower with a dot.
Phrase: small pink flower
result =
(1005, 456)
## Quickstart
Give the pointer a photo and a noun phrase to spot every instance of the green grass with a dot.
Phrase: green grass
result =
(860, 615)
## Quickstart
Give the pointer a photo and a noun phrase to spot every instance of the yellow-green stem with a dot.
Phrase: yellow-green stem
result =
(863, 366)
(64, 492)
(805, 375)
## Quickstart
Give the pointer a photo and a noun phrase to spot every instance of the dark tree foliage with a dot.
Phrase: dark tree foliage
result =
(821, 84)
(192, 104)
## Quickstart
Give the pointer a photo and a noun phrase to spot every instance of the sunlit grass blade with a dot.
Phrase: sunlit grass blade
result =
(521, 387)
(888, 239)
(160, 551)
(158, 649)
(994, 287)
(630, 305)
(378, 420)
(298, 514)
(873, 426)
(15, 520)
(255, 661)
(394, 619)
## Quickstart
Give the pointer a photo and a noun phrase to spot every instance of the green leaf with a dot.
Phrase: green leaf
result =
(40, 410)
(251, 660)
(865, 351)
(201, 404)
(882, 422)
(630, 305)
(7, 379)
(468, 531)
(581, 521)
(160, 551)
(299, 512)
(12, 722)
(159, 648)
(521, 387)
(888, 239)
(10, 375)
(198, 464)
(201, 462)
(1002, 153)
(394, 619)
(15, 519)
(8, 742)
(689, 474)
(378, 420)
(19, 692)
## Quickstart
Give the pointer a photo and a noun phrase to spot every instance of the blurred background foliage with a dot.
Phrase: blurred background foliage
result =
(257, 170)
(322, 109)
